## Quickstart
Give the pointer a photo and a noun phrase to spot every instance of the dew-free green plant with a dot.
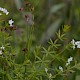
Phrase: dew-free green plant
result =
(54, 62)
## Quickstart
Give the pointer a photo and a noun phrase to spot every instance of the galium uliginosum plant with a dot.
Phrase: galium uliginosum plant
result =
(55, 62)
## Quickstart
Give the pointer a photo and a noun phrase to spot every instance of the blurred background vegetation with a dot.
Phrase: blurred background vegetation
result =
(49, 17)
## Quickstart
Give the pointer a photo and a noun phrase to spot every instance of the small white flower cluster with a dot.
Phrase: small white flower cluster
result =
(11, 22)
(61, 68)
(4, 11)
(75, 43)
(69, 60)
(50, 75)
(2, 48)
(46, 70)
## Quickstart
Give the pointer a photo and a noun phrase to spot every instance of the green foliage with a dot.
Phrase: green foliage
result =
(56, 8)
(34, 62)
(24, 57)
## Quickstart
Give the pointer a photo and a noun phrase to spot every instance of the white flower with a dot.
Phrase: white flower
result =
(4, 10)
(73, 44)
(0, 52)
(2, 48)
(73, 41)
(69, 60)
(60, 68)
(50, 75)
(67, 64)
(11, 22)
(1, 9)
(78, 44)
(7, 13)
(46, 70)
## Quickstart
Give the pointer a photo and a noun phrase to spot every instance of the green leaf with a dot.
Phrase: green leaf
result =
(57, 7)
(72, 71)
(9, 64)
(51, 31)
(53, 44)
(66, 28)
(77, 66)
(9, 77)
(77, 77)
